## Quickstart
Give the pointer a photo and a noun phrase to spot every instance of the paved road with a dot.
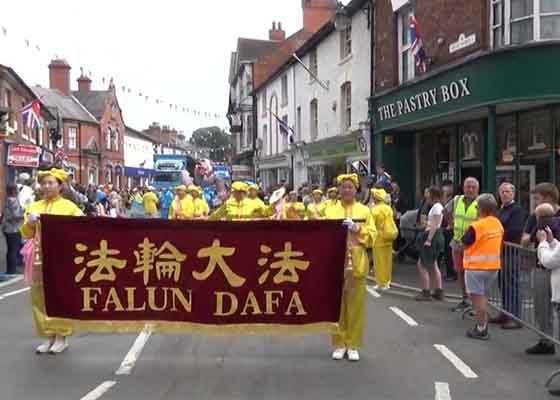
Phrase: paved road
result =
(399, 362)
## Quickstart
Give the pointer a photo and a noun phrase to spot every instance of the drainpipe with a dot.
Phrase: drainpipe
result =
(254, 116)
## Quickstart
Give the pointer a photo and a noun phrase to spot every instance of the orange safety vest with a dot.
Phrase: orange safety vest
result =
(485, 252)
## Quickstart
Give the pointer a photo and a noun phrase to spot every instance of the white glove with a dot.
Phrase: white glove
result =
(351, 225)
(33, 218)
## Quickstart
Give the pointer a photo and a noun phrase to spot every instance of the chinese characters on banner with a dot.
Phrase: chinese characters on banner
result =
(180, 276)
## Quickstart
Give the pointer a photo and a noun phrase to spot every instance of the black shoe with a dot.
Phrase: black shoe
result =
(475, 333)
(543, 347)
(424, 296)
(438, 295)
(462, 306)
(512, 324)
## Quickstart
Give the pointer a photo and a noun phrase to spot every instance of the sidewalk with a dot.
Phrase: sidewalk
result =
(405, 275)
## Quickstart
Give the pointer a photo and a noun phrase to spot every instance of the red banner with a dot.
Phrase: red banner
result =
(182, 276)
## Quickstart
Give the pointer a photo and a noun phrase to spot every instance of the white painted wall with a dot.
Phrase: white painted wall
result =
(137, 151)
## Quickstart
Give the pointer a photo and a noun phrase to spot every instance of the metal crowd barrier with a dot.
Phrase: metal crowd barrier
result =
(522, 291)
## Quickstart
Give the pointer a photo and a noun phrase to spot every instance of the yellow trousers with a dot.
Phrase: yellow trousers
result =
(46, 327)
(383, 265)
(352, 316)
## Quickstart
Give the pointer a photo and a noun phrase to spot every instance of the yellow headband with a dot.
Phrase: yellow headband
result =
(379, 194)
(333, 189)
(348, 177)
(254, 187)
(239, 187)
(59, 174)
(194, 188)
(318, 191)
(181, 188)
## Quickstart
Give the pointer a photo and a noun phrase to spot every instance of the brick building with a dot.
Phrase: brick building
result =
(17, 139)
(489, 105)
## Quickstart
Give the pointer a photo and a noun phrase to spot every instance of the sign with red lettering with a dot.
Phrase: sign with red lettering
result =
(182, 276)
(23, 155)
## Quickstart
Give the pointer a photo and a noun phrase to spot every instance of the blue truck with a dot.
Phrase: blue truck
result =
(171, 170)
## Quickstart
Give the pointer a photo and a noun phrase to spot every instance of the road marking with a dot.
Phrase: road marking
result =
(129, 361)
(99, 390)
(9, 294)
(373, 292)
(404, 316)
(11, 281)
(442, 391)
(456, 361)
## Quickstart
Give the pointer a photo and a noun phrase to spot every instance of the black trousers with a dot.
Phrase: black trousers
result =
(13, 241)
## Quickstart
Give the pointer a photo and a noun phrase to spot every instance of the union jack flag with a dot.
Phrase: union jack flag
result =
(418, 46)
(31, 115)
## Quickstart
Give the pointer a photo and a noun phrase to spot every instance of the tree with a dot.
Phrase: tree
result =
(213, 138)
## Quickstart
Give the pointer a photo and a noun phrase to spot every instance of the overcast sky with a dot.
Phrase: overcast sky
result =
(175, 50)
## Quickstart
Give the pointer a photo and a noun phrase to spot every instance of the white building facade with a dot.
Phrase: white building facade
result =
(138, 158)
(325, 103)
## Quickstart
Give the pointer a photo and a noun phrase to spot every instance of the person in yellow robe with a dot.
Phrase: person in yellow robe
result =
(253, 195)
(315, 209)
(55, 330)
(201, 208)
(151, 202)
(237, 207)
(332, 197)
(361, 235)
(182, 207)
(293, 209)
(383, 246)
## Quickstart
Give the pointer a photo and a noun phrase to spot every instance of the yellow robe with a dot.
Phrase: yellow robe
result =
(201, 208)
(182, 209)
(315, 210)
(235, 210)
(260, 209)
(46, 327)
(293, 211)
(383, 249)
(151, 202)
(352, 313)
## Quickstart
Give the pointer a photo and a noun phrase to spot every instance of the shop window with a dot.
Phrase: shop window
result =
(534, 130)
(471, 141)
(506, 140)
(407, 68)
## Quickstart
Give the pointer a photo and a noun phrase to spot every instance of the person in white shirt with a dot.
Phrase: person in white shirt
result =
(548, 254)
(26, 196)
(430, 246)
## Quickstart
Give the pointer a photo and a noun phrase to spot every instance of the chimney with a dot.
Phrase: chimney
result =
(84, 83)
(277, 33)
(59, 76)
(317, 13)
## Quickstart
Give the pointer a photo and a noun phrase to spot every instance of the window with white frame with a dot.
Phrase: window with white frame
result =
(516, 22)
(346, 102)
(116, 140)
(108, 135)
(313, 63)
(346, 42)
(72, 138)
(314, 119)
(407, 69)
(284, 90)
(263, 103)
(265, 140)
(249, 138)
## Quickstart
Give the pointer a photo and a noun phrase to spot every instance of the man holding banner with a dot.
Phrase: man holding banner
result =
(361, 235)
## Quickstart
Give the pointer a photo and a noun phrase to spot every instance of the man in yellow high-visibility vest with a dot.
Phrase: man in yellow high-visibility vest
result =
(464, 213)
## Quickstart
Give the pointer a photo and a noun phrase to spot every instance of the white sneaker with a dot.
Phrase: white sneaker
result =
(338, 354)
(353, 355)
(60, 344)
(45, 346)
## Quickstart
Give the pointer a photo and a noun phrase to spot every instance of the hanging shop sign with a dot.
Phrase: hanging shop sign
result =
(23, 155)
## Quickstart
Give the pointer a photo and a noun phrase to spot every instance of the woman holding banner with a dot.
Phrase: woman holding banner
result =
(182, 207)
(238, 206)
(361, 235)
(56, 331)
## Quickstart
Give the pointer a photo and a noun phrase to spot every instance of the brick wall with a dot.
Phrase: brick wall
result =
(438, 19)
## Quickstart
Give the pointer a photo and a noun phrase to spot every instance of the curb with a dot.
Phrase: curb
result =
(414, 289)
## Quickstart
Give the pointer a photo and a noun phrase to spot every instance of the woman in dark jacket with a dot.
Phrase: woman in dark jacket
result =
(13, 219)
